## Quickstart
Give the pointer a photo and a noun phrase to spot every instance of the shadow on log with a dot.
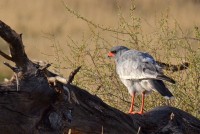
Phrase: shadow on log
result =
(36, 100)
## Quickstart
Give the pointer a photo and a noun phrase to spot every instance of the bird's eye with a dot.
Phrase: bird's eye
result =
(114, 52)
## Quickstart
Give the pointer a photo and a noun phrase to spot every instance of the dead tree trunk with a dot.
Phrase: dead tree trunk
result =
(36, 100)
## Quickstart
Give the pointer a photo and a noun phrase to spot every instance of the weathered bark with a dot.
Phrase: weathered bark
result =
(21, 110)
(46, 104)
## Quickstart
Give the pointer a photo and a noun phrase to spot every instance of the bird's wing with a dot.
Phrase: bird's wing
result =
(138, 65)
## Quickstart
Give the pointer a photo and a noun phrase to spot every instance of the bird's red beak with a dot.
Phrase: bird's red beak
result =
(110, 54)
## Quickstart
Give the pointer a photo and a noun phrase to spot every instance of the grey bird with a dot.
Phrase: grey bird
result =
(140, 73)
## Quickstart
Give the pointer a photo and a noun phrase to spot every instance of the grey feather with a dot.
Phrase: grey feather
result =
(159, 86)
(166, 78)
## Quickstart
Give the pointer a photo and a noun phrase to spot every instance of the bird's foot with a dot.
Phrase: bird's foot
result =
(139, 112)
(131, 112)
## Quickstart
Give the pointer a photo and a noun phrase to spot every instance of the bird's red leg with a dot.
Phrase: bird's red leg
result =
(142, 107)
(132, 104)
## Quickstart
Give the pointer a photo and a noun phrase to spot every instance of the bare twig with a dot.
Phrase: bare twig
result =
(41, 69)
(92, 23)
(46, 66)
(6, 56)
(71, 77)
(138, 130)
(16, 70)
(190, 38)
(174, 68)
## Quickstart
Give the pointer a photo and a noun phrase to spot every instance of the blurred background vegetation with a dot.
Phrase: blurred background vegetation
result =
(81, 32)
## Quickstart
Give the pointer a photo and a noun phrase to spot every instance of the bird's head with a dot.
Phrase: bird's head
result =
(117, 50)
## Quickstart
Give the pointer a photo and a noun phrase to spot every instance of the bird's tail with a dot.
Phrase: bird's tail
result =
(160, 87)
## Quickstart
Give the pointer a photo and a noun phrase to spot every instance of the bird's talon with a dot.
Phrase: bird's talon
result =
(131, 112)
(140, 113)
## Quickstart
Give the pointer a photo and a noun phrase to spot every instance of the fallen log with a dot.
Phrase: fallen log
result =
(36, 100)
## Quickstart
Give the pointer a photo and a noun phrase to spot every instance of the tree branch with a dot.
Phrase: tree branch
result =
(71, 76)
(173, 68)
(15, 44)
(5, 56)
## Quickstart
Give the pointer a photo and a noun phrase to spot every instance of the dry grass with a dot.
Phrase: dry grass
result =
(54, 34)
